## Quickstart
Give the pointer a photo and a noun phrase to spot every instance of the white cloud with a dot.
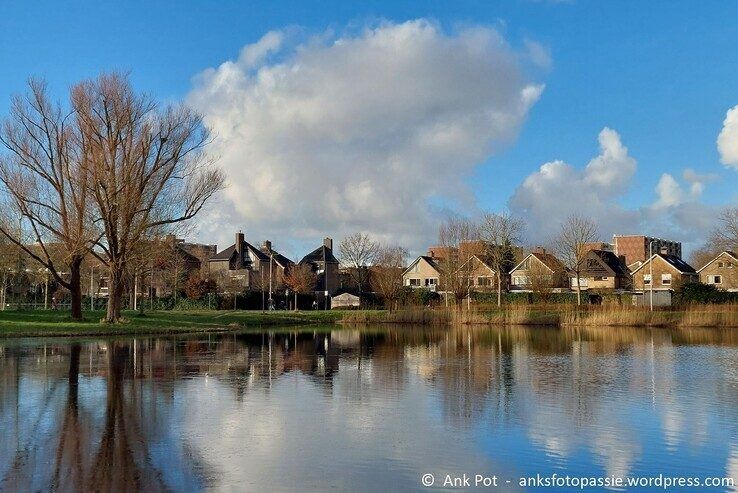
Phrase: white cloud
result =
(669, 192)
(558, 189)
(539, 54)
(359, 131)
(727, 141)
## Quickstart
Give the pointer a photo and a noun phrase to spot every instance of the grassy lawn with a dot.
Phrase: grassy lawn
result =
(47, 323)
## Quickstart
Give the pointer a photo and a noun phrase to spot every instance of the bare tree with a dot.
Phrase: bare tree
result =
(500, 232)
(301, 279)
(357, 252)
(386, 273)
(146, 166)
(726, 234)
(571, 245)
(458, 239)
(541, 281)
(45, 182)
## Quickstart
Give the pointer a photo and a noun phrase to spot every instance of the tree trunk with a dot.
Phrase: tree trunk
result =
(73, 375)
(579, 290)
(295, 300)
(499, 289)
(115, 295)
(75, 287)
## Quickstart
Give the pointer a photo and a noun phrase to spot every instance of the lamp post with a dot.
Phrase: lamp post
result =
(271, 259)
(46, 289)
(92, 292)
(650, 270)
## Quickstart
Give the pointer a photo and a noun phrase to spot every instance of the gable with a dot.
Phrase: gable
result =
(594, 265)
(663, 262)
(478, 266)
(727, 256)
(525, 263)
(422, 264)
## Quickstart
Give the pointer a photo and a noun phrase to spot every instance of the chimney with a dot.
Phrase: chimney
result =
(239, 243)
(664, 250)
(328, 243)
(267, 246)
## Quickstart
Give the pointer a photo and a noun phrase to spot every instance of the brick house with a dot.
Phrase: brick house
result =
(636, 249)
(539, 270)
(482, 277)
(326, 266)
(423, 272)
(721, 272)
(603, 270)
(243, 266)
(669, 271)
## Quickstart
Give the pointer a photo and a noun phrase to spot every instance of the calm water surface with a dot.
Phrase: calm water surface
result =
(369, 410)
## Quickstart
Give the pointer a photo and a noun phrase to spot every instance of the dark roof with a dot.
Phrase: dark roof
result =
(228, 252)
(433, 263)
(224, 254)
(676, 262)
(613, 262)
(318, 255)
(281, 259)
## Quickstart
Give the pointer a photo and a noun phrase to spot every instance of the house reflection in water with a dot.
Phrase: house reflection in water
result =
(184, 413)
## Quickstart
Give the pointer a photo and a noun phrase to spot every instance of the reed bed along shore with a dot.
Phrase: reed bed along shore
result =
(724, 316)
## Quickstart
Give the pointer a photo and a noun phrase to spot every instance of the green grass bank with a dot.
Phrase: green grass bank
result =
(32, 323)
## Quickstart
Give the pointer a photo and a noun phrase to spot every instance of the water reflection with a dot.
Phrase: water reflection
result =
(366, 410)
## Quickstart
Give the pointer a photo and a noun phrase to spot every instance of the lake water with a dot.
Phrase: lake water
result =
(369, 410)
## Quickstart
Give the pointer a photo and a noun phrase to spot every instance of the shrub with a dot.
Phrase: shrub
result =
(697, 292)
(197, 287)
(423, 297)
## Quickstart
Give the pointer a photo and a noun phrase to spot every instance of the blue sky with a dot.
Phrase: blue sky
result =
(663, 77)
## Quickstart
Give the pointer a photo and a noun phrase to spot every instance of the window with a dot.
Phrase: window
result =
(721, 265)
(647, 279)
(431, 282)
(666, 279)
(413, 282)
(715, 280)
(484, 281)
(582, 281)
(520, 281)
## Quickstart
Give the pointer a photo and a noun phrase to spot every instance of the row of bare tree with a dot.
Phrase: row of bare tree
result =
(494, 236)
(99, 176)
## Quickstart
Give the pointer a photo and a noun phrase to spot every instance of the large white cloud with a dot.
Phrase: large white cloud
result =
(557, 189)
(359, 131)
(727, 141)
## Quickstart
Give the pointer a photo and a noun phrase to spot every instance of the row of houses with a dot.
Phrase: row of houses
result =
(245, 266)
(630, 263)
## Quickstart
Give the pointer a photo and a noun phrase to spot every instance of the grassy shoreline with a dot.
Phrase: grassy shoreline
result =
(57, 323)
(719, 316)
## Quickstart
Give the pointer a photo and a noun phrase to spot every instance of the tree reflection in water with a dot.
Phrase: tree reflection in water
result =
(74, 447)
(126, 414)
